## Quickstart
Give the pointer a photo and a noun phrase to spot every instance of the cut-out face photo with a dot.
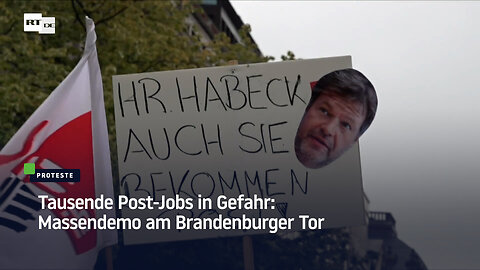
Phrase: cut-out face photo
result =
(342, 107)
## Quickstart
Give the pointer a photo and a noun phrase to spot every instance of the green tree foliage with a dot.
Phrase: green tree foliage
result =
(290, 56)
(133, 37)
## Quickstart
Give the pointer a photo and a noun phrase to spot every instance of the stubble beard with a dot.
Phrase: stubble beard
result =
(308, 156)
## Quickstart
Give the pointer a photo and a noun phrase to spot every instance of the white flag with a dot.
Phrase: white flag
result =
(68, 131)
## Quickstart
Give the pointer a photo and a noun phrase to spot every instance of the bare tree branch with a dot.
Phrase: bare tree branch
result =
(112, 16)
(83, 9)
(77, 16)
(10, 28)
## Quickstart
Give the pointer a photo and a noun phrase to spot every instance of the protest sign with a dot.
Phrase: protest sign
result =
(227, 131)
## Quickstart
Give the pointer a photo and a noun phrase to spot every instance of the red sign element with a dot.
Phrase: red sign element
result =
(70, 147)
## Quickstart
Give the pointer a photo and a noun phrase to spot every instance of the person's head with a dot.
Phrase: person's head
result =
(342, 107)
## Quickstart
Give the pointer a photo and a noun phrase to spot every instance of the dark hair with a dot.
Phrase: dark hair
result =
(353, 85)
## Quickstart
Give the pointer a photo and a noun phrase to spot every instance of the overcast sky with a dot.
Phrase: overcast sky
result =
(420, 158)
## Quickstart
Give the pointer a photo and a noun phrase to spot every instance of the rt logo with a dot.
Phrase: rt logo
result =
(33, 22)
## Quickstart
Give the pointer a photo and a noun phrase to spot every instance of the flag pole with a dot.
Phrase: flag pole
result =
(248, 253)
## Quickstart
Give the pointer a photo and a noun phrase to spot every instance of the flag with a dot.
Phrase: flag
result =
(68, 131)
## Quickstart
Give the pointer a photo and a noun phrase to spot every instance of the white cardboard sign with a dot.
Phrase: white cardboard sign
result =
(227, 131)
